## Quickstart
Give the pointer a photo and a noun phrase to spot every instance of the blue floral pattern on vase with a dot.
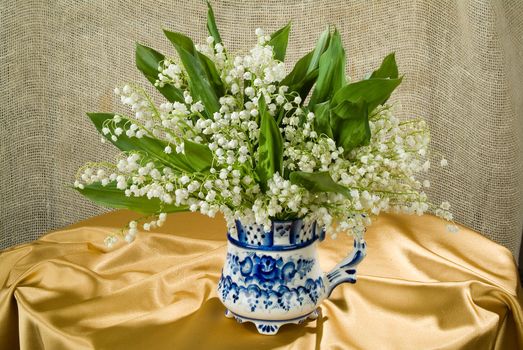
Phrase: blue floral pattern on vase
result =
(267, 282)
(273, 278)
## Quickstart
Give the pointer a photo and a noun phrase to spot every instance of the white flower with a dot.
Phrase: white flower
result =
(110, 241)
(249, 91)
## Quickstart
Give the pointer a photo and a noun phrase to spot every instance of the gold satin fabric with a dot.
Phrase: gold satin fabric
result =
(420, 287)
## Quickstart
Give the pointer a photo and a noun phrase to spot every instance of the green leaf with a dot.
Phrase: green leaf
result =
(270, 146)
(180, 40)
(195, 158)
(318, 182)
(321, 46)
(198, 156)
(200, 86)
(212, 74)
(111, 197)
(153, 148)
(147, 62)
(351, 129)
(297, 80)
(203, 76)
(279, 40)
(331, 74)
(388, 68)
(373, 91)
(305, 71)
(352, 104)
(322, 124)
(211, 24)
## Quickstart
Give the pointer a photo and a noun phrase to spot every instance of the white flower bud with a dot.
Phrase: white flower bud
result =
(185, 179)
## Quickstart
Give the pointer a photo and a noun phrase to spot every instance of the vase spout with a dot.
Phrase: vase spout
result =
(345, 271)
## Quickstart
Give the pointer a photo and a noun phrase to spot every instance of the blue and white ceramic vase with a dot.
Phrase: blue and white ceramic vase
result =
(272, 278)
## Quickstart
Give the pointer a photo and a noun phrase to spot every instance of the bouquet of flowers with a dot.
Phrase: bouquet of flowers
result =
(240, 135)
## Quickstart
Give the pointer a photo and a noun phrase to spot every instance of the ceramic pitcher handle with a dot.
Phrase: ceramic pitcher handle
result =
(345, 271)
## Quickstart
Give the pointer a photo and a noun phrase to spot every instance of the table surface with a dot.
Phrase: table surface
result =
(420, 287)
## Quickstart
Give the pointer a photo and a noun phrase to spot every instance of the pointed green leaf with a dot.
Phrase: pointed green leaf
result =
(211, 24)
(147, 62)
(321, 46)
(154, 148)
(305, 71)
(294, 79)
(373, 91)
(212, 74)
(180, 40)
(318, 182)
(322, 124)
(270, 146)
(300, 81)
(279, 40)
(331, 74)
(111, 197)
(204, 80)
(388, 68)
(351, 129)
(200, 86)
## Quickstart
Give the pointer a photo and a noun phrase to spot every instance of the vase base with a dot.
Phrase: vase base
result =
(271, 327)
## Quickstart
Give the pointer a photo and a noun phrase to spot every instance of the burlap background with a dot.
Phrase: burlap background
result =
(462, 62)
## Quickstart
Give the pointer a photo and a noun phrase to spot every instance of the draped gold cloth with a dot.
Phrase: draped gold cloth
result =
(420, 287)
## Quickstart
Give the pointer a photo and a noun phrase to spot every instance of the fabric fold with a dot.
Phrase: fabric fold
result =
(420, 287)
